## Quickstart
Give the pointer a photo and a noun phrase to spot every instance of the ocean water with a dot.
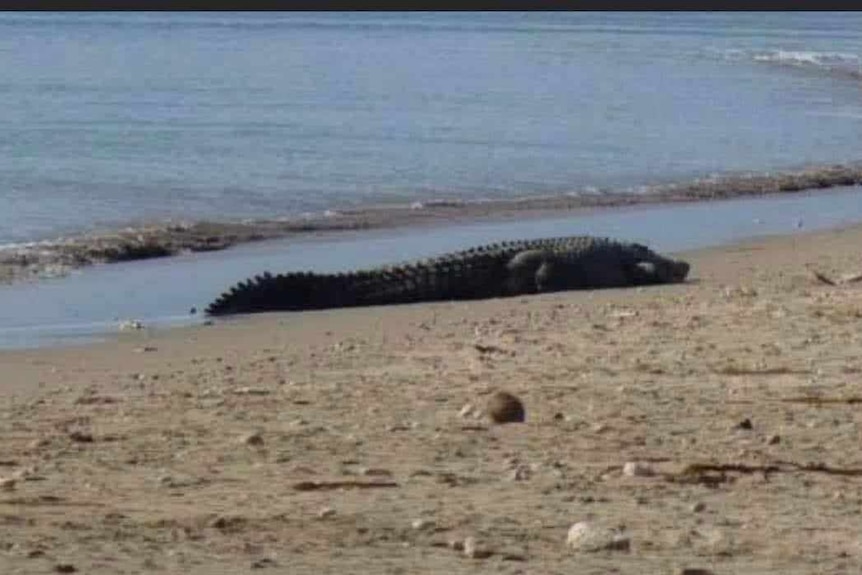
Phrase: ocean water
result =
(111, 119)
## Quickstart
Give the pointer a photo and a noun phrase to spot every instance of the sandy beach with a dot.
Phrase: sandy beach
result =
(712, 425)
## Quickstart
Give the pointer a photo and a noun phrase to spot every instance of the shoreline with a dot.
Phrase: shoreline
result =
(225, 445)
(56, 258)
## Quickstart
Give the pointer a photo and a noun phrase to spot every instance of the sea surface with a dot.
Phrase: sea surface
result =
(118, 119)
(111, 119)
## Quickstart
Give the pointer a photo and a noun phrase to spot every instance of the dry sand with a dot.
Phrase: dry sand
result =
(341, 441)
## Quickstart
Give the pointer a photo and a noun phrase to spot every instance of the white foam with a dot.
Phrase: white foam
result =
(808, 58)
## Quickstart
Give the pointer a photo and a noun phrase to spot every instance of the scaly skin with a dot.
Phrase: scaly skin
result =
(496, 270)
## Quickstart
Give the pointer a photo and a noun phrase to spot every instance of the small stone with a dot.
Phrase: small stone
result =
(81, 436)
(774, 440)
(474, 550)
(8, 483)
(423, 524)
(693, 571)
(520, 473)
(467, 410)
(698, 507)
(503, 407)
(745, 424)
(325, 513)
(253, 438)
(375, 472)
(585, 536)
(263, 562)
(638, 469)
(65, 568)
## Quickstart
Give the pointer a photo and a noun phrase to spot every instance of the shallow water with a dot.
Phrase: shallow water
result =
(91, 303)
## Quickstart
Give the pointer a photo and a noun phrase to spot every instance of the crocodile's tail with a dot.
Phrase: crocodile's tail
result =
(289, 292)
(480, 276)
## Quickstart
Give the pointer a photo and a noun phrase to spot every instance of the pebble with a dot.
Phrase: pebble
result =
(467, 410)
(325, 513)
(503, 407)
(423, 524)
(586, 536)
(81, 436)
(375, 472)
(774, 440)
(65, 568)
(264, 561)
(698, 507)
(474, 550)
(8, 483)
(745, 424)
(520, 473)
(253, 438)
(638, 469)
(693, 571)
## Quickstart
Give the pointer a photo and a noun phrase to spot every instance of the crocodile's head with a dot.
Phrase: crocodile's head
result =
(661, 271)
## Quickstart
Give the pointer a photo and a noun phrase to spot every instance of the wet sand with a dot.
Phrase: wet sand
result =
(352, 441)
(52, 258)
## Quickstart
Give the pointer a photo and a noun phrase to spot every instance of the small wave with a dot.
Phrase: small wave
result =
(833, 63)
(806, 57)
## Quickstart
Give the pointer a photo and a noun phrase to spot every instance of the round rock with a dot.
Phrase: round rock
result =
(503, 407)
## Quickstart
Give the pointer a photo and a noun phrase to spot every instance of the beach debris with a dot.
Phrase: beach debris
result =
(822, 278)
(250, 391)
(347, 484)
(131, 325)
(503, 407)
(146, 349)
(638, 469)
(847, 278)
(589, 537)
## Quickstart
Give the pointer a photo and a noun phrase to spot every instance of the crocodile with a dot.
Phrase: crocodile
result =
(491, 271)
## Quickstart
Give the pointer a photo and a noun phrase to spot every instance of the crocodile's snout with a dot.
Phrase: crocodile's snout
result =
(679, 270)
